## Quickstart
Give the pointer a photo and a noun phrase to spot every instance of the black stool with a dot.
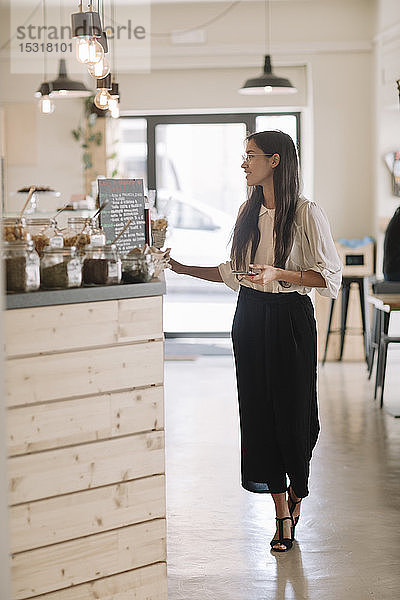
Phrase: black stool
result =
(362, 283)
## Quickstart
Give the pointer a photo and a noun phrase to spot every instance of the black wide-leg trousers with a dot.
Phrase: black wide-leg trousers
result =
(274, 341)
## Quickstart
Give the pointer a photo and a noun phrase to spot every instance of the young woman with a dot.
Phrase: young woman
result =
(286, 240)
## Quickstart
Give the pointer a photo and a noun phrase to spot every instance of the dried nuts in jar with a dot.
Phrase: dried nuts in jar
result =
(101, 265)
(60, 268)
(22, 266)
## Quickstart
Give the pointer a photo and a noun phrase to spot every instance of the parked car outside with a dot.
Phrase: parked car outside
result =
(197, 233)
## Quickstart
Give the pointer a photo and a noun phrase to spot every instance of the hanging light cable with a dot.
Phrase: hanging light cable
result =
(113, 102)
(267, 83)
(101, 68)
(46, 104)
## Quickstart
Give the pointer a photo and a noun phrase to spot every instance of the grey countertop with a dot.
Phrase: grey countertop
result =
(85, 294)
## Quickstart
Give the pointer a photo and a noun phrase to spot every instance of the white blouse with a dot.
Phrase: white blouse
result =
(313, 249)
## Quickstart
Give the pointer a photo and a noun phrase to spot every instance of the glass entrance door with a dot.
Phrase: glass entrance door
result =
(200, 187)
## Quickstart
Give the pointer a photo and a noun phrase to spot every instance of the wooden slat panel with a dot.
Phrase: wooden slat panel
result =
(70, 563)
(58, 328)
(47, 329)
(146, 583)
(55, 472)
(140, 320)
(69, 517)
(42, 378)
(52, 425)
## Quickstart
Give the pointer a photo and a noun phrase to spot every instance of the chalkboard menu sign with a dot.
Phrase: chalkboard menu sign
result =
(125, 200)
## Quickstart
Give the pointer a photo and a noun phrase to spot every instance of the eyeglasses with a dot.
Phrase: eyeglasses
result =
(248, 157)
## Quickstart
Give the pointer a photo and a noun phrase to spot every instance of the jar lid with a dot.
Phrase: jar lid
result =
(79, 220)
(28, 243)
(105, 246)
(65, 250)
(40, 221)
(13, 220)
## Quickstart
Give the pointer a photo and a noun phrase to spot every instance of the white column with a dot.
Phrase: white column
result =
(4, 553)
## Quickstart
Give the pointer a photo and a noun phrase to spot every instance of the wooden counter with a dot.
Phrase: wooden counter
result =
(86, 448)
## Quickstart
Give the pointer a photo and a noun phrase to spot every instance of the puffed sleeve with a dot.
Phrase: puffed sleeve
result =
(225, 269)
(319, 251)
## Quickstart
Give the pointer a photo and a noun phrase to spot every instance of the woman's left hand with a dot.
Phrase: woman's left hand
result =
(265, 275)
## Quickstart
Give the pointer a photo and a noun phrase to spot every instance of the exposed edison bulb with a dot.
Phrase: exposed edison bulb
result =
(96, 52)
(46, 105)
(115, 113)
(100, 69)
(114, 107)
(101, 99)
(88, 50)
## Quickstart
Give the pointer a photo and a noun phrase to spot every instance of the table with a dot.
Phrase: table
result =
(384, 305)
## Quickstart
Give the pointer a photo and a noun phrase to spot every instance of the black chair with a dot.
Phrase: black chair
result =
(374, 336)
(380, 338)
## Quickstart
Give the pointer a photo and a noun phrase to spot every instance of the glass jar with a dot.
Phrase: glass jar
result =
(138, 268)
(78, 233)
(60, 268)
(98, 237)
(101, 265)
(44, 233)
(13, 228)
(22, 266)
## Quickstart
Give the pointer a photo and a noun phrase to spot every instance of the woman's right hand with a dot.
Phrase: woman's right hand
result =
(175, 265)
(207, 273)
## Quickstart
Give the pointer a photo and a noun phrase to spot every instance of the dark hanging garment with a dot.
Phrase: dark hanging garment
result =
(391, 249)
(274, 341)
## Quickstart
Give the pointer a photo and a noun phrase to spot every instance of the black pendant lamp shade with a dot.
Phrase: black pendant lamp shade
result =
(44, 90)
(86, 24)
(64, 87)
(268, 83)
(114, 89)
(104, 83)
(103, 41)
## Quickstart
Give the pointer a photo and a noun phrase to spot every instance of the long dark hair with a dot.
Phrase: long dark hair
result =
(286, 190)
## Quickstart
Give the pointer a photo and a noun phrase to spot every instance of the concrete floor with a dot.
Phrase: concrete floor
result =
(348, 542)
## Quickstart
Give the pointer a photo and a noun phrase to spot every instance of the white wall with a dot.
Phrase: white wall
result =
(57, 161)
(4, 545)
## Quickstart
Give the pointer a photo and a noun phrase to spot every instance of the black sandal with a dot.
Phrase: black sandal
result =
(292, 505)
(287, 542)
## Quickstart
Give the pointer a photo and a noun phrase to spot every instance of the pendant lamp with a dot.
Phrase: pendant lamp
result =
(114, 99)
(64, 87)
(86, 24)
(44, 93)
(104, 86)
(267, 82)
(46, 104)
(113, 103)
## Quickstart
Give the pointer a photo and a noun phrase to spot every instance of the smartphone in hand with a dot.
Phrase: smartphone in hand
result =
(251, 273)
